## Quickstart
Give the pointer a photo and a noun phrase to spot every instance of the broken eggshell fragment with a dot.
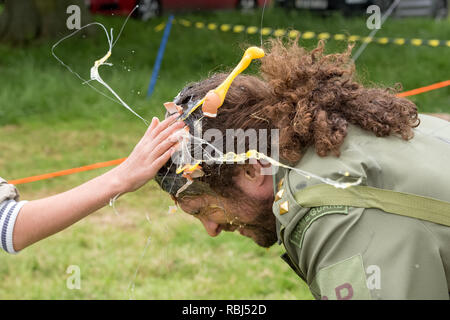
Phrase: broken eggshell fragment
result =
(191, 172)
(172, 108)
(197, 173)
(211, 104)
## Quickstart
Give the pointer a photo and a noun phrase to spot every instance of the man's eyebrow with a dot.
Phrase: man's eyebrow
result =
(204, 209)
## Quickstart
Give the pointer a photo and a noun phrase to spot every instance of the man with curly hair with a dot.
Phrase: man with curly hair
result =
(388, 236)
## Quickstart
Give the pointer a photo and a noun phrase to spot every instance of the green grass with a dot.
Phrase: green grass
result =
(50, 122)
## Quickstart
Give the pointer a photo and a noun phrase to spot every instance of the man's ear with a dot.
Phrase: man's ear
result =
(252, 172)
(251, 181)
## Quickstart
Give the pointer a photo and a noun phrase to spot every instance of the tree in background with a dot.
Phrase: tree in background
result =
(25, 20)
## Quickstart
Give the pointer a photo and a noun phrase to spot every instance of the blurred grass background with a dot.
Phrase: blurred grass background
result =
(49, 121)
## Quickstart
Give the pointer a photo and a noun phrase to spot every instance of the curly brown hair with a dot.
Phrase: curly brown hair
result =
(310, 96)
(318, 96)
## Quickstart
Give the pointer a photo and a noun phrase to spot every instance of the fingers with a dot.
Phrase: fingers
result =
(153, 146)
(155, 122)
(151, 127)
(163, 125)
(173, 132)
(164, 146)
(158, 163)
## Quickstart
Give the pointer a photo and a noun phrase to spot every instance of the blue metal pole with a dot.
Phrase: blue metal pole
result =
(159, 57)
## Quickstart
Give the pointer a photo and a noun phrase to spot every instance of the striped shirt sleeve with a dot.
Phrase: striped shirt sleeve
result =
(9, 210)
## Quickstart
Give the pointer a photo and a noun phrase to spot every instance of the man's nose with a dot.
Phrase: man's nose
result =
(211, 227)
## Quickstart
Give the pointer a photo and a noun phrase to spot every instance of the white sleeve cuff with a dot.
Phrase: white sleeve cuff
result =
(8, 214)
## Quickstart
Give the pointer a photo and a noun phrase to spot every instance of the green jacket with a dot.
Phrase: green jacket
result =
(360, 252)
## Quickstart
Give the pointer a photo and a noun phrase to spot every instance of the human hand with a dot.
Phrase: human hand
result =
(150, 154)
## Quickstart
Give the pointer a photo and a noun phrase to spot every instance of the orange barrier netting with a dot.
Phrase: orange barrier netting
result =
(424, 89)
(119, 161)
(68, 171)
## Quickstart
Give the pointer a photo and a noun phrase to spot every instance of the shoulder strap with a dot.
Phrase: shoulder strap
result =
(400, 203)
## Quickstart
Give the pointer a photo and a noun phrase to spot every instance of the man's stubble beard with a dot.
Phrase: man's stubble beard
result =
(261, 222)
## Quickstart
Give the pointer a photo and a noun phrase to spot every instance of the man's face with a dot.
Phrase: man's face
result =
(251, 217)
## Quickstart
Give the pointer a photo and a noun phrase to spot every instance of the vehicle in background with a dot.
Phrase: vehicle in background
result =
(432, 8)
(150, 8)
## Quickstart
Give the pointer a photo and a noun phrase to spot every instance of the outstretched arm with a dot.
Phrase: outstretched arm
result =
(41, 218)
